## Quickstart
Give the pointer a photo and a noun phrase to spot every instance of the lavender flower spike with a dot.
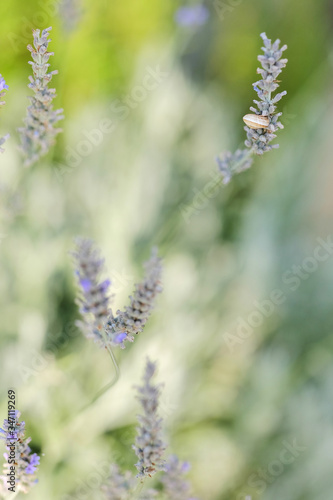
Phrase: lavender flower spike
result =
(119, 485)
(135, 316)
(26, 463)
(149, 446)
(3, 88)
(175, 487)
(94, 299)
(39, 132)
(258, 139)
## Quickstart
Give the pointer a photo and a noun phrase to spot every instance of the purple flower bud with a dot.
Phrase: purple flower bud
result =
(85, 284)
(120, 337)
(3, 85)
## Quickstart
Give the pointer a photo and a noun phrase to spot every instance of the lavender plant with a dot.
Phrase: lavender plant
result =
(149, 448)
(19, 454)
(99, 322)
(3, 88)
(39, 132)
(175, 486)
(259, 135)
(70, 13)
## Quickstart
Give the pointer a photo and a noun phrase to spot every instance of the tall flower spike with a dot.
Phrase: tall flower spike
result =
(39, 132)
(149, 446)
(175, 487)
(133, 319)
(258, 139)
(3, 88)
(119, 485)
(94, 299)
(26, 463)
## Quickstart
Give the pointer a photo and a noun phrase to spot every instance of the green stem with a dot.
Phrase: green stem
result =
(110, 384)
(138, 489)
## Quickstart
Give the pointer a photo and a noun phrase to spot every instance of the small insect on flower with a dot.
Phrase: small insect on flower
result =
(256, 121)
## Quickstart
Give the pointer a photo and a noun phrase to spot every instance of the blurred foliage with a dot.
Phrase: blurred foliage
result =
(228, 411)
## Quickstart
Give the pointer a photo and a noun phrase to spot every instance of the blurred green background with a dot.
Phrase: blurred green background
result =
(228, 409)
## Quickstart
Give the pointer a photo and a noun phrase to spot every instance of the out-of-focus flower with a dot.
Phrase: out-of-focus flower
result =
(272, 65)
(70, 13)
(133, 319)
(3, 88)
(119, 485)
(39, 132)
(149, 446)
(175, 486)
(99, 323)
(258, 139)
(93, 299)
(26, 463)
(192, 15)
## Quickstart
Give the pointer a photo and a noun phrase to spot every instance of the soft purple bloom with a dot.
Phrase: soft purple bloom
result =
(85, 284)
(3, 85)
(34, 461)
(25, 474)
(195, 15)
(120, 337)
(258, 140)
(39, 131)
(149, 446)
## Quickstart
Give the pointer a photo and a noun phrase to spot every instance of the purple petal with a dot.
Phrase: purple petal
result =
(105, 285)
(120, 337)
(85, 284)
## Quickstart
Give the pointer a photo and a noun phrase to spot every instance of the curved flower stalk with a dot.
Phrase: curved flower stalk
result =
(258, 139)
(26, 463)
(39, 132)
(99, 323)
(149, 446)
(3, 88)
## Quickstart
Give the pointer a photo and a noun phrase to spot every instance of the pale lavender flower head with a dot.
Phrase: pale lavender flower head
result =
(229, 163)
(125, 324)
(39, 132)
(70, 13)
(136, 315)
(192, 15)
(258, 140)
(3, 88)
(26, 462)
(175, 486)
(149, 446)
(94, 298)
(119, 485)
(3, 85)
(272, 64)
